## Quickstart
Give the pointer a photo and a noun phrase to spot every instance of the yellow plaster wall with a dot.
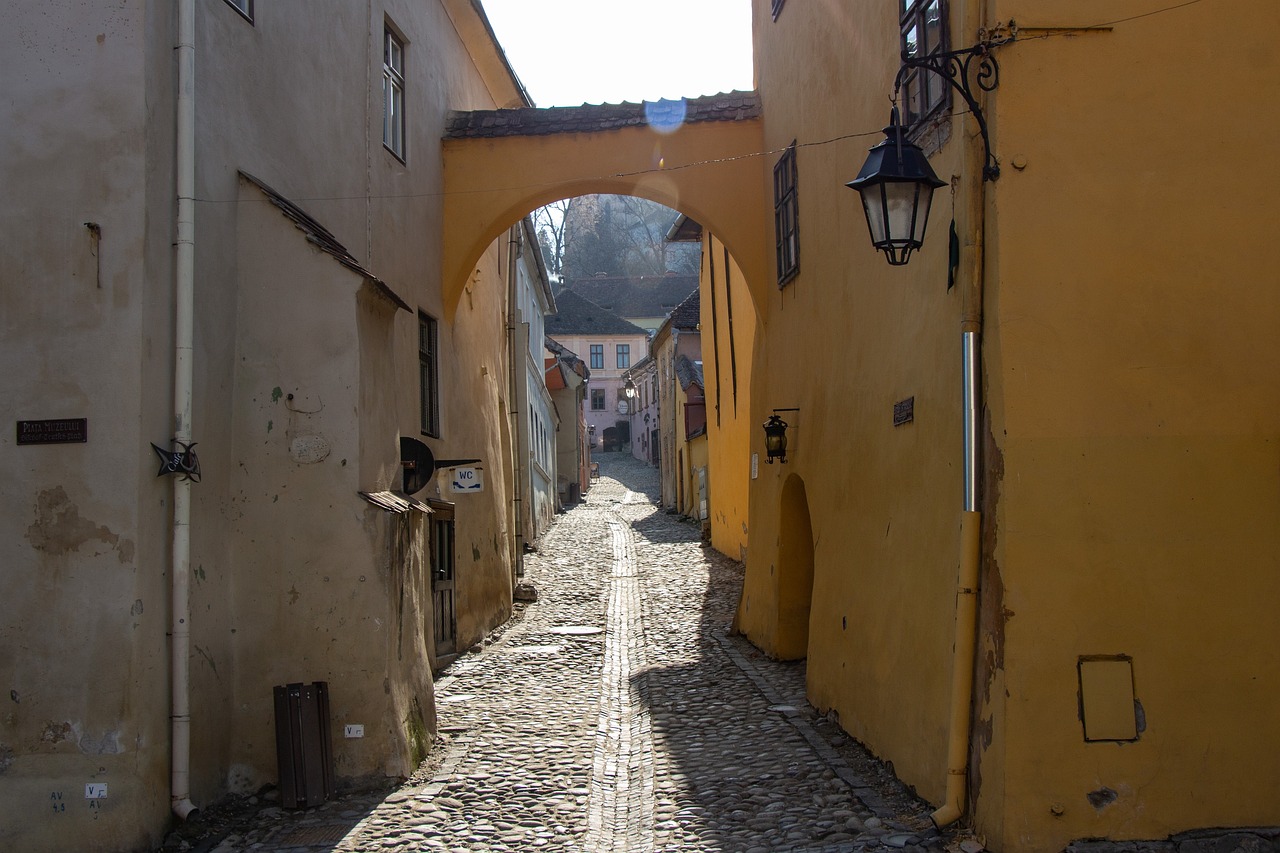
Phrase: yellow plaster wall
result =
(1132, 361)
(729, 419)
(708, 171)
(1131, 436)
(844, 342)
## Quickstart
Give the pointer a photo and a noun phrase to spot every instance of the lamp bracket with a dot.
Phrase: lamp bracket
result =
(955, 66)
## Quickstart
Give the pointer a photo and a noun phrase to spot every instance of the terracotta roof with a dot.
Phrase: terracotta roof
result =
(687, 315)
(636, 296)
(730, 106)
(689, 372)
(576, 315)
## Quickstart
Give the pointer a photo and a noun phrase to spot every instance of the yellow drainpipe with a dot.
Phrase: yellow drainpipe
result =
(964, 661)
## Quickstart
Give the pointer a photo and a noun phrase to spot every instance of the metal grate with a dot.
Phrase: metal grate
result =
(306, 836)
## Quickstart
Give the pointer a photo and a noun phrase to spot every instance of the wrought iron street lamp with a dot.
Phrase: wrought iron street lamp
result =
(775, 439)
(896, 184)
(896, 181)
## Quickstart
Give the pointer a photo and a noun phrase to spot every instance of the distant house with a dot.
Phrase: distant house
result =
(645, 439)
(610, 345)
(566, 380)
(677, 337)
(646, 300)
(536, 419)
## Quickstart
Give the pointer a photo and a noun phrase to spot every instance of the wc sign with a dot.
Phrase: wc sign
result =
(467, 479)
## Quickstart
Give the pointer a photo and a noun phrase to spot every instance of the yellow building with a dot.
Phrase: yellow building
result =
(728, 320)
(1115, 288)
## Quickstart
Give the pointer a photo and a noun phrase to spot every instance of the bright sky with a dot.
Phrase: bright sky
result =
(573, 52)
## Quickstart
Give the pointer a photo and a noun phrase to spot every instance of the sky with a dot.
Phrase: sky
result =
(573, 52)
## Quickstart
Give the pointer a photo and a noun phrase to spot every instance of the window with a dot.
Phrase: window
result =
(244, 7)
(923, 34)
(597, 399)
(624, 356)
(393, 93)
(597, 357)
(785, 216)
(429, 374)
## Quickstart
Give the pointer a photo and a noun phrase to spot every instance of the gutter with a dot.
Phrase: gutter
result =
(184, 298)
(516, 406)
(964, 663)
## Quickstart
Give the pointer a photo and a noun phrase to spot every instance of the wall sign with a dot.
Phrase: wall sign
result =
(69, 431)
(904, 412)
(467, 478)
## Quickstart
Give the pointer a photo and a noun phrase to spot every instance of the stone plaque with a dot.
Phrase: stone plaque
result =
(69, 431)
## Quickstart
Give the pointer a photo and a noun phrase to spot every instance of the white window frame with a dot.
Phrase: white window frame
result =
(393, 123)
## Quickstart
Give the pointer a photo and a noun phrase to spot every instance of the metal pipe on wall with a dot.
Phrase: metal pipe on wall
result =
(184, 297)
(969, 574)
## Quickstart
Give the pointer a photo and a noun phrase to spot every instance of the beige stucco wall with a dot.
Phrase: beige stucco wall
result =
(294, 576)
(83, 601)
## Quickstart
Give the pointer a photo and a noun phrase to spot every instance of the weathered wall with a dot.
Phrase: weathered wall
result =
(1132, 360)
(84, 334)
(1129, 457)
(728, 320)
(294, 576)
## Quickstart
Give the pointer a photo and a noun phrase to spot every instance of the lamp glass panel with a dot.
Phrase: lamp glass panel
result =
(873, 204)
(900, 207)
(922, 217)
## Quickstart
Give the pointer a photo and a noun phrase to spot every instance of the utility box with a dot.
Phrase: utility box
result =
(304, 750)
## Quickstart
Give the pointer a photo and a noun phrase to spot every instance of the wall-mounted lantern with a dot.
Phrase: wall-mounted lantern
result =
(896, 181)
(630, 389)
(775, 439)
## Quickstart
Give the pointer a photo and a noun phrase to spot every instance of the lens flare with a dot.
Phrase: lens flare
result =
(665, 116)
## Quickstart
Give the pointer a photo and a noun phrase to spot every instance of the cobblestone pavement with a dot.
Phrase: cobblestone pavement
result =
(619, 716)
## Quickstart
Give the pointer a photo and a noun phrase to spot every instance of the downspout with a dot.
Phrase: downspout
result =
(968, 577)
(517, 498)
(184, 295)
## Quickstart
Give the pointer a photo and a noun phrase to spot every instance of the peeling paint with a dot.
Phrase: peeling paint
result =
(56, 732)
(1102, 798)
(59, 528)
(108, 744)
(992, 614)
(136, 610)
(276, 394)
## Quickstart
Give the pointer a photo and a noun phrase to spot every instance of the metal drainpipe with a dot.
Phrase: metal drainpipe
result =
(968, 576)
(517, 499)
(184, 290)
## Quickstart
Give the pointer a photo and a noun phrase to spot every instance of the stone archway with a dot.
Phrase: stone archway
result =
(795, 571)
(499, 165)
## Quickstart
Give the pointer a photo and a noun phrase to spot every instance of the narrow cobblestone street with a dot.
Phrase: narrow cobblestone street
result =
(618, 714)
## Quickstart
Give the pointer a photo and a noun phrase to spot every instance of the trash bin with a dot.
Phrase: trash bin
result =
(304, 750)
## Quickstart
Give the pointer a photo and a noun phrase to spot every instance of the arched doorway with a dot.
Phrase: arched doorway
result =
(795, 571)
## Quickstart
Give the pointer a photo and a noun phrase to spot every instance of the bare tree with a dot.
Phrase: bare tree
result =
(549, 225)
